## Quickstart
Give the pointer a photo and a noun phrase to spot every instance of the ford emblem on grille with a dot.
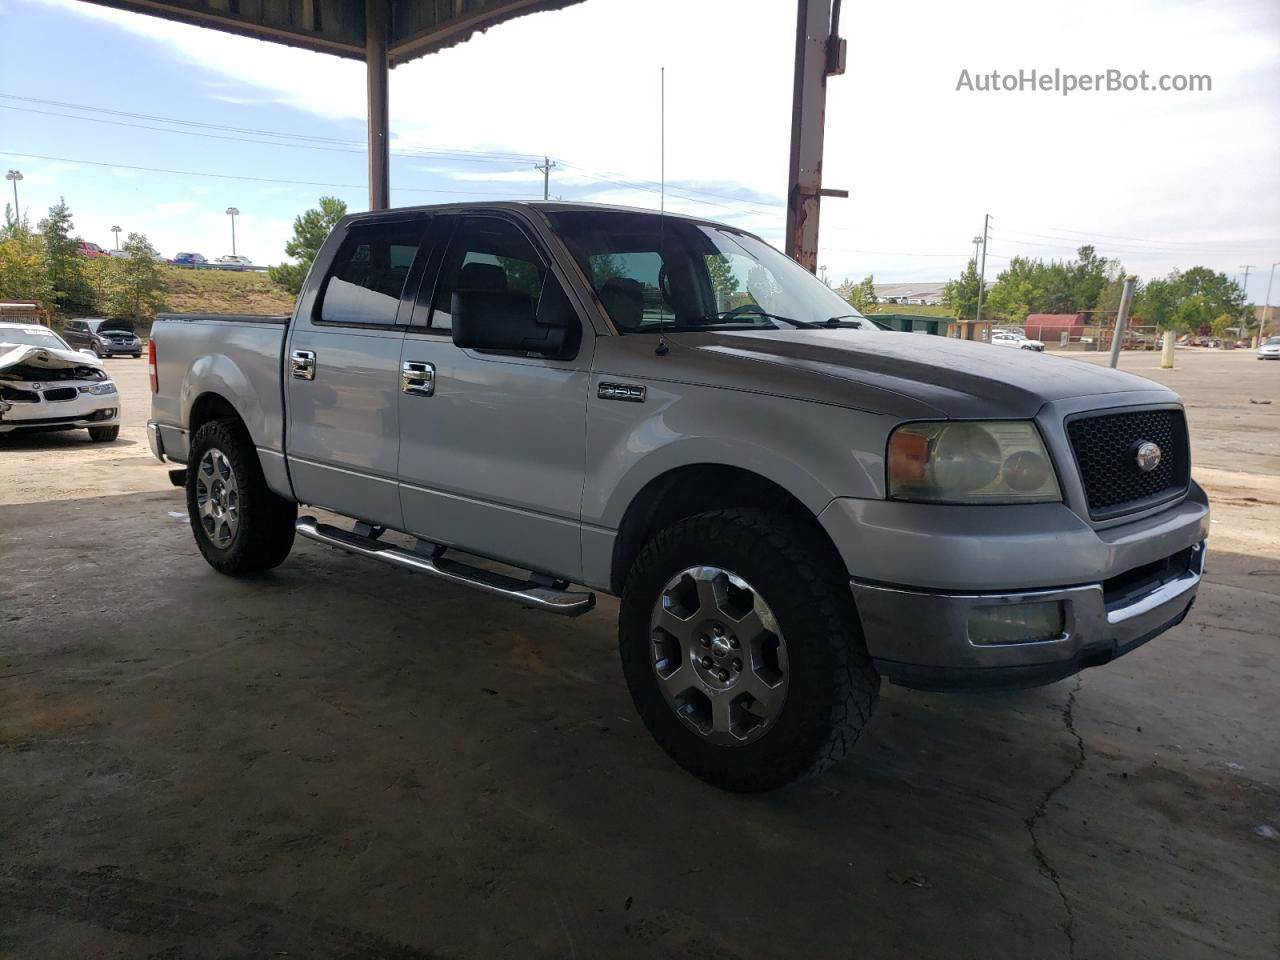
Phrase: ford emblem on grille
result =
(1148, 456)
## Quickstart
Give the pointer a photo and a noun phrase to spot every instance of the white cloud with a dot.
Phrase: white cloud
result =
(1196, 177)
(174, 208)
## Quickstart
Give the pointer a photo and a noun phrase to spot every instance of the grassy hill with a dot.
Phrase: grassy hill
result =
(224, 291)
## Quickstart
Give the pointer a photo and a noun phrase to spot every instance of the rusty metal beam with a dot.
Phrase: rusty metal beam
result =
(819, 54)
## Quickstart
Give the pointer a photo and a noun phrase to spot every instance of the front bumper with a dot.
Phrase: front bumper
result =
(928, 634)
(919, 572)
(86, 410)
(120, 349)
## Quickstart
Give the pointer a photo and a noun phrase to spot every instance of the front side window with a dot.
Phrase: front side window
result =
(652, 272)
(368, 274)
(486, 254)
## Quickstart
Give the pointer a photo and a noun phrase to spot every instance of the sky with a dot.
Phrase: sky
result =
(1158, 179)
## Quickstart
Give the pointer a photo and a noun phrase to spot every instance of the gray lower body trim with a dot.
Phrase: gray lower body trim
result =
(923, 636)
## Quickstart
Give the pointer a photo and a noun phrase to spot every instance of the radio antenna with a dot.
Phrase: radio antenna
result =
(662, 349)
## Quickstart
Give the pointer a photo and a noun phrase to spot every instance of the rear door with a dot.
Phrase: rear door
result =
(342, 374)
(492, 448)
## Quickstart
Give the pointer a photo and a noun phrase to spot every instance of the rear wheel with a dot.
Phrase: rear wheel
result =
(743, 651)
(240, 526)
(103, 434)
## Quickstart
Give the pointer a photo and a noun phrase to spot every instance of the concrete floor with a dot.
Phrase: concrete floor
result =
(340, 760)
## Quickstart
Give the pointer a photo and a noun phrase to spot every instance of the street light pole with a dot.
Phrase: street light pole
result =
(232, 211)
(977, 242)
(1266, 306)
(15, 176)
(116, 231)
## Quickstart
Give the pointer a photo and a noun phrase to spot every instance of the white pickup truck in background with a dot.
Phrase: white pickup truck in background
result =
(791, 503)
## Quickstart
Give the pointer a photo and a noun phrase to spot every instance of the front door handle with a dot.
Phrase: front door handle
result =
(417, 379)
(302, 364)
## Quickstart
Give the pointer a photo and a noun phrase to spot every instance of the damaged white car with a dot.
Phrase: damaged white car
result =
(45, 385)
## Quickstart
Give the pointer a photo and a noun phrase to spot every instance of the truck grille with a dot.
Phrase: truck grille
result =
(1106, 449)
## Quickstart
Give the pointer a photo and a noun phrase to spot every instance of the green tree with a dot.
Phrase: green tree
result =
(22, 264)
(132, 287)
(961, 294)
(723, 280)
(309, 232)
(1223, 325)
(1157, 303)
(64, 262)
(861, 295)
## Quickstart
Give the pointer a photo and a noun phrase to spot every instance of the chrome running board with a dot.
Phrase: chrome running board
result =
(529, 593)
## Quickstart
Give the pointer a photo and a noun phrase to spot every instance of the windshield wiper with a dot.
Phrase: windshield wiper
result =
(835, 321)
(746, 315)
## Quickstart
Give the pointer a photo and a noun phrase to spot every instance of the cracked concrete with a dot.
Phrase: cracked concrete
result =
(1037, 851)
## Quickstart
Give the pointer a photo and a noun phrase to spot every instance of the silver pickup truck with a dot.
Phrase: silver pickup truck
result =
(790, 502)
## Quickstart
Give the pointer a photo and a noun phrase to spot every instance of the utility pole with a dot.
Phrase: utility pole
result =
(1246, 267)
(546, 167)
(116, 231)
(982, 271)
(232, 211)
(15, 176)
(1122, 318)
(1266, 307)
(977, 242)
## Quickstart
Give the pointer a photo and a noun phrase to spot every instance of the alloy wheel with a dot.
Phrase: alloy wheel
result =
(718, 655)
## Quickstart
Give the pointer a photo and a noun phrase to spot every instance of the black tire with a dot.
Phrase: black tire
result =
(103, 434)
(264, 533)
(832, 685)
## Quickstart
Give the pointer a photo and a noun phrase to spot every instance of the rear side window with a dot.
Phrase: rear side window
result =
(367, 277)
(487, 254)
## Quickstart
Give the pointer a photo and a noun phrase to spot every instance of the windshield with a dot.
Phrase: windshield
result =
(653, 272)
(32, 337)
(1273, 341)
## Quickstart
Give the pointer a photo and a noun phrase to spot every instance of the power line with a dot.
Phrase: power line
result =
(486, 155)
(1104, 236)
(334, 144)
(235, 176)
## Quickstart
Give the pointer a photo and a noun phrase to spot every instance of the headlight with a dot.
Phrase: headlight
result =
(100, 389)
(966, 462)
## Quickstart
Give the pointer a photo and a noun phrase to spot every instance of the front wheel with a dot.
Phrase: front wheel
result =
(743, 651)
(240, 526)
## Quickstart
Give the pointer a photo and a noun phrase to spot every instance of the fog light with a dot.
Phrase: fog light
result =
(1016, 623)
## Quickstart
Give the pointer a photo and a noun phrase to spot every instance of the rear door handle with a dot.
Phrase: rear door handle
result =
(302, 364)
(417, 379)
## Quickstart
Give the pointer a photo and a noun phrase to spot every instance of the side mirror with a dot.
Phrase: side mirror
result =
(507, 320)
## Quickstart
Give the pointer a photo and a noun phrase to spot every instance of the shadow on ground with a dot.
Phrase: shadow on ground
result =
(343, 760)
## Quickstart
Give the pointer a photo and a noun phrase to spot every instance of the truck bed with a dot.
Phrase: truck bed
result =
(236, 356)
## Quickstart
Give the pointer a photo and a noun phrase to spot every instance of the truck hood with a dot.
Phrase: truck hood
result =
(956, 378)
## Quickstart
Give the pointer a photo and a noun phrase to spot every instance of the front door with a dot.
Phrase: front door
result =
(492, 449)
(342, 375)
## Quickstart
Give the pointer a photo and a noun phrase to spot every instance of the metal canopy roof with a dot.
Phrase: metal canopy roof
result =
(416, 27)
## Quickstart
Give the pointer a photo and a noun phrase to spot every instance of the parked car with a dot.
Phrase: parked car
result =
(1270, 350)
(91, 250)
(189, 259)
(235, 260)
(791, 503)
(1003, 338)
(45, 385)
(104, 338)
